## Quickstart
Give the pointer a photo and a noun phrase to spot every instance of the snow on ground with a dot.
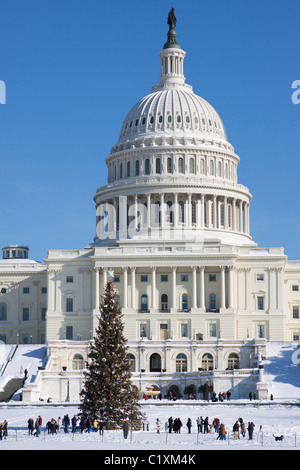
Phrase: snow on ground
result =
(271, 419)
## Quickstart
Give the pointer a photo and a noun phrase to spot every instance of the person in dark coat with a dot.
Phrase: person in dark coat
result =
(250, 430)
(170, 424)
(125, 429)
(189, 425)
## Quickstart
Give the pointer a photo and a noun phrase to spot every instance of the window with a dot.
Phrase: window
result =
(155, 363)
(169, 119)
(259, 277)
(121, 170)
(3, 311)
(233, 361)
(69, 332)
(213, 330)
(181, 211)
(25, 315)
(169, 212)
(295, 288)
(69, 279)
(211, 168)
(180, 165)
(192, 165)
(163, 331)
(131, 360)
(143, 330)
(260, 303)
(44, 290)
(164, 302)
(212, 278)
(212, 302)
(116, 278)
(144, 278)
(26, 290)
(296, 311)
(181, 363)
(69, 304)
(164, 278)
(296, 336)
(78, 362)
(43, 313)
(169, 165)
(157, 166)
(184, 277)
(261, 331)
(147, 166)
(144, 302)
(128, 168)
(160, 119)
(184, 330)
(178, 119)
(137, 168)
(207, 362)
(184, 302)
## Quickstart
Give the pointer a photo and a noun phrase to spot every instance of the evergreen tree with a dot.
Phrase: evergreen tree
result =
(108, 393)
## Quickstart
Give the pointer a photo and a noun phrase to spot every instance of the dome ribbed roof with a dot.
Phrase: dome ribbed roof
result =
(177, 112)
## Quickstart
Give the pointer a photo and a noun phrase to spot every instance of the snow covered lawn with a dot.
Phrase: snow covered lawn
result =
(270, 420)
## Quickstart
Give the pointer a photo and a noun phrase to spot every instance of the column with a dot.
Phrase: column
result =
(162, 210)
(96, 288)
(234, 214)
(230, 286)
(241, 216)
(125, 288)
(198, 208)
(215, 211)
(175, 211)
(149, 210)
(188, 214)
(272, 290)
(104, 274)
(174, 269)
(194, 285)
(223, 304)
(202, 210)
(202, 288)
(133, 288)
(153, 289)
(225, 213)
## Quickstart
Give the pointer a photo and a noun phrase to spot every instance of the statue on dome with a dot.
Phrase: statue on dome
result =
(172, 20)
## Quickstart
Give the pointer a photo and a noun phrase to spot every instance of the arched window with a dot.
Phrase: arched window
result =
(3, 311)
(147, 166)
(169, 165)
(192, 165)
(181, 211)
(155, 363)
(121, 170)
(202, 166)
(128, 168)
(180, 165)
(181, 363)
(233, 361)
(193, 212)
(164, 302)
(131, 360)
(207, 362)
(219, 169)
(78, 362)
(157, 166)
(184, 302)
(144, 303)
(137, 168)
(211, 168)
(222, 215)
(212, 302)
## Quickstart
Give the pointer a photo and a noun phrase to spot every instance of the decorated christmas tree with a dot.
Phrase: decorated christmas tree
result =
(108, 393)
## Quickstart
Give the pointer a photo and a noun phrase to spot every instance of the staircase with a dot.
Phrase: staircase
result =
(9, 389)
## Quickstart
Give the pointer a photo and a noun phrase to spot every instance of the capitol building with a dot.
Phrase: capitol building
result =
(200, 299)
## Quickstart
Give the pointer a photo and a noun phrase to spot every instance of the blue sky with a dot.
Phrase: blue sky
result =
(74, 68)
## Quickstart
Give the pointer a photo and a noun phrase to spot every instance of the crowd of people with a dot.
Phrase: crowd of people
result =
(65, 424)
(203, 426)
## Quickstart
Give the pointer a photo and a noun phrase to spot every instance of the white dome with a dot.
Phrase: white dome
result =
(177, 112)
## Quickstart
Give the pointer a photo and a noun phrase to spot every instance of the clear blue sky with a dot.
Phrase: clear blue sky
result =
(74, 68)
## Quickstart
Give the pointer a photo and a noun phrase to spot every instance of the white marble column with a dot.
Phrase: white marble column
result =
(153, 289)
(202, 288)
(223, 303)
(133, 305)
(230, 286)
(174, 270)
(194, 281)
(125, 287)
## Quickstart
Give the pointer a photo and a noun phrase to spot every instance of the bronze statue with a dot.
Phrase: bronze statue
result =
(172, 20)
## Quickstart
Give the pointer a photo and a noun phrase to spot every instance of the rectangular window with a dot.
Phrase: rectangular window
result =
(184, 330)
(295, 288)
(25, 338)
(164, 278)
(69, 304)
(144, 278)
(26, 290)
(260, 303)
(26, 314)
(212, 277)
(69, 279)
(184, 277)
(295, 311)
(116, 278)
(259, 277)
(44, 290)
(43, 313)
(69, 332)
(213, 330)
(261, 331)
(296, 336)
(143, 330)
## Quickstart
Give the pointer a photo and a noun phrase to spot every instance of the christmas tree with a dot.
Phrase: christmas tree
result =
(108, 393)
